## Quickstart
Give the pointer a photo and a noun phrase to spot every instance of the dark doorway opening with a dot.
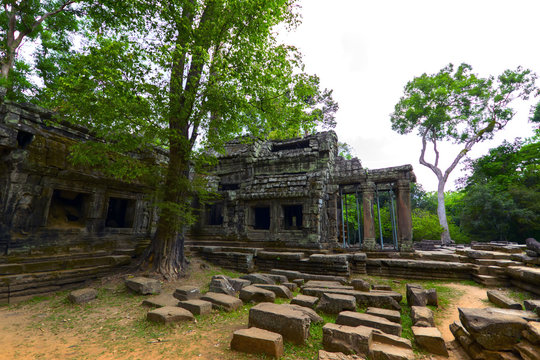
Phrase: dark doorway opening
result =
(292, 217)
(24, 139)
(120, 213)
(262, 218)
(67, 209)
(215, 214)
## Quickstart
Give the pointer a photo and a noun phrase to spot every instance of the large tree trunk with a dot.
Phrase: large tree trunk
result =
(441, 212)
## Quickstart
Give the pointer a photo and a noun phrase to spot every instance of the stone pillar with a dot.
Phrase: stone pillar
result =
(332, 218)
(404, 216)
(369, 224)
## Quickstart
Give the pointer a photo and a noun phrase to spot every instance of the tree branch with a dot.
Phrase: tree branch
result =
(422, 159)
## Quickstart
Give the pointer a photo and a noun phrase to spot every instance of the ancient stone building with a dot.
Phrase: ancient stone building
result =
(290, 194)
(55, 217)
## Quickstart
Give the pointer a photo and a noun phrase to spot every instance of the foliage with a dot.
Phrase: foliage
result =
(503, 193)
(458, 106)
(425, 225)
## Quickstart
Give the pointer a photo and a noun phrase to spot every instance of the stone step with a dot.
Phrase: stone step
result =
(64, 263)
(488, 280)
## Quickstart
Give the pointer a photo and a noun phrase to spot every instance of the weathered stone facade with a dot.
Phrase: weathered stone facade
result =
(288, 194)
(59, 224)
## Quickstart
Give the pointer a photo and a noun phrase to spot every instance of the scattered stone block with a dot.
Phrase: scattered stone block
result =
(336, 303)
(278, 279)
(280, 290)
(360, 285)
(422, 316)
(239, 284)
(298, 282)
(347, 339)
(313, 316)
(291, 286)
(196, 307)
(326, 355)
(187, 292)
(533, 245)
(492, 330)
(527, 350)
(532, 305)
(392, 315)
(160, 301)
(432, 297)
(381, 287)
(326, 285)
(533, 329)
(501, 300)
(256, 294)
(292, 324)
(222, 301)
(418, 296)
(304, 300)
(256, 278)
(389, 347)
(257, 341)
(143, 286)
(169, 314)
(82, 296)
(430, 339)
(380, 299)
(221, 286)
(351, 318)
(472, 348)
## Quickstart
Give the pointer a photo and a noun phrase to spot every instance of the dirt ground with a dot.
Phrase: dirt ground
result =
(114, 327)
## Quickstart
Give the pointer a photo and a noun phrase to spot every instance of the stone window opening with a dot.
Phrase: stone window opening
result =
(261, 218)
(24, 139)
(292, 217)
(214, 214)
(120, 213)
(303, 144)
(67, 209)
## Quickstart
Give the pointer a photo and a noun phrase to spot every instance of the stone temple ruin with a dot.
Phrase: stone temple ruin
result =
(290, 194)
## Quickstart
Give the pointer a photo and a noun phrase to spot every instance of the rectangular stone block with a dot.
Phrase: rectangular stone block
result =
(282, 319)
(257, 341)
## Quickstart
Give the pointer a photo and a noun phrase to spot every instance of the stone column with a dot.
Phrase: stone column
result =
(404, 216)
(369, 224)
(332, 218)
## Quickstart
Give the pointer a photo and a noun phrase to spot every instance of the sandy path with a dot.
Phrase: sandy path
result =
(472, 298)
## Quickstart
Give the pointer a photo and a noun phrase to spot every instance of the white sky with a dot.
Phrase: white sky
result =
(366, 51)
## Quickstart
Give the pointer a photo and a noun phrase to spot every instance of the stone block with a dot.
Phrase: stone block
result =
(533, 332)
(196, 307)
(222, 301)
(336, 303)
(221, 286)
(258, 341)
(291, 286)
(169, 314)
(326, 355)
(281, 291)
(256, 278)
(351, 318)
(389, 347)
(313, 316)
(532, 305)
(391, 315)
(381, 287)
(304, 300)
(501, 300)
(256, 294)
(492, 330)
(160, 301)
(347, 339)
(278, 279)
(527, 350)
(360, 284)
(422, 316)
(81, 296)
(144, 286)
(326, 285)
(187, 292)
(292, 324)
(430, 339)
(239, 284)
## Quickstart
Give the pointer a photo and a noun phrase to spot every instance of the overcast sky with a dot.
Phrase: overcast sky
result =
(366, 51)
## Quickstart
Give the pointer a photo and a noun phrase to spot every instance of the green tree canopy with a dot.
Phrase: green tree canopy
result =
(457, 105)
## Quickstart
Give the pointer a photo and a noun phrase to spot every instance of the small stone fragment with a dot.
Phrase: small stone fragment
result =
(81, 296)
(305, 300)
(422, 316)
(258, 341)
(169, 314)
(196, 307)
(221, 286)
(187, 292)
(222, 301)
(391, 315)
(291, 286)
(160, 301)
(360, 284)
(144, 286)
(381, 287)
(239, 284)
(501, 300)
(256, 294)
(336, 303)
(430, 339)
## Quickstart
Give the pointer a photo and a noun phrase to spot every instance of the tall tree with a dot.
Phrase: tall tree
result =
(23, 20)
(456, 105)
(188, 75)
